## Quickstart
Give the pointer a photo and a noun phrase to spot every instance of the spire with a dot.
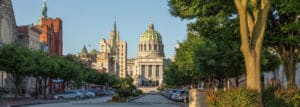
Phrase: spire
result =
(115, 24)
(84, 50)
(151, 26)
(44, 9)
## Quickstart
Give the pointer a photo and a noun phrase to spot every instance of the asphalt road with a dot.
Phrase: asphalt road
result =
(145, 101)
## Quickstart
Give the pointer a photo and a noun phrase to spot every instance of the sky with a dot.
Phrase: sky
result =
(86, 22)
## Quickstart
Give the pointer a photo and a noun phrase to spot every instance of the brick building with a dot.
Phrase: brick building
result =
(51, 32)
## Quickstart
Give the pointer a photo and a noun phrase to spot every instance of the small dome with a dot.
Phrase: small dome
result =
(151, 35)
(94, 51)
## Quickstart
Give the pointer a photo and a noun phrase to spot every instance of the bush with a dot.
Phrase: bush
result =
(139, 91)
(272, 97)
(278, 97)
(233, 98)
(116, 98)
(124, 92)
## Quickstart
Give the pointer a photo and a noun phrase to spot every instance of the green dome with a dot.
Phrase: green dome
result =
(94, 51)
(151, 35)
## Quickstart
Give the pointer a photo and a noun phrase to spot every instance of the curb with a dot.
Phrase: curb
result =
(30, 104)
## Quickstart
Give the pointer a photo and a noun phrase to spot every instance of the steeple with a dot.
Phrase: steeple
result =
(44, 9)
(115, 25)
(151, 26)
(84, 50)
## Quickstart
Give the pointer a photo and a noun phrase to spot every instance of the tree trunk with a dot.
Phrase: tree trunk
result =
(289, 61)
(252, 30)
(36, 88)
(16, 80)
(45, 88)
(237, 81)
(253, 71)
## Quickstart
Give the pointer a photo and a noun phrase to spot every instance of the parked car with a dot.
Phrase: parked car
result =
(69, 95)
(87, 94)
(152, 92)
(98, 92)
(162, 92)
(181, 96)
(109, 92)
(166, 92)
(172, 91)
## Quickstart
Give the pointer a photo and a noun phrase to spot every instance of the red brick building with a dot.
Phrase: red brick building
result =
(52, 36)
(51, 32)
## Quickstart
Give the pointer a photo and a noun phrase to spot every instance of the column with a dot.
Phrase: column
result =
(160, 75)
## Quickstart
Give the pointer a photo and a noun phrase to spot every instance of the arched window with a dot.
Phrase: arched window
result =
(155, 47)
(145, 47)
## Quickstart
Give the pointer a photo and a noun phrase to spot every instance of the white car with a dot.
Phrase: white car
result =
(88, 94)
(69, 95)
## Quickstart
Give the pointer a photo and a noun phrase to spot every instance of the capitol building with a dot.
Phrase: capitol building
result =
(147, 68)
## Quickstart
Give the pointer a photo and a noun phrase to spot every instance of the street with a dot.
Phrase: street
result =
(146, 101)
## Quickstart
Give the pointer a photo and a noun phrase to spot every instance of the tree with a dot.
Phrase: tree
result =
(253, 16)
(174, 77)
(15, 60)
(283, 35)
(48, 70)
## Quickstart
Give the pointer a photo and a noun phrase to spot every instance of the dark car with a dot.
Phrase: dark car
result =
(152, 92)
(98, 92)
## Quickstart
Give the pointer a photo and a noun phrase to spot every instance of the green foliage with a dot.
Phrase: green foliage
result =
(233, 98)
(125, 87)
(272, 97)
(283, 35)
(20, 61)
(175, 77)
(211, 50)
(139, 91)
(277, 97)
(123, 92)
(15, 60)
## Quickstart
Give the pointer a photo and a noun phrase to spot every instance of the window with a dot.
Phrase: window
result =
(143, 70)
(155, 47)
(149, 70)
(145, 47)
(150, 47)
(157, 71)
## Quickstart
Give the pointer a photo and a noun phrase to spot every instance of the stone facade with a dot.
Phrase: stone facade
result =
(112, 55)
(7, 22)
(147, 68)
(87, 58)
(29, 36)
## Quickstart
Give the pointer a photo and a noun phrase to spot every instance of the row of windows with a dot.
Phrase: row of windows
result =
(150, 70)
(150, 47)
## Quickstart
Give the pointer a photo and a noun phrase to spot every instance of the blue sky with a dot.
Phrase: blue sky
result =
(85, 22)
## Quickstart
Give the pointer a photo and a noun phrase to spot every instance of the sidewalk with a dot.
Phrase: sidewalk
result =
(11, 102)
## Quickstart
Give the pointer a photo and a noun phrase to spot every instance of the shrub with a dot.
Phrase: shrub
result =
(278, 97)
(233, 98)
(139, 91)
(124, 92)
(116, 98)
